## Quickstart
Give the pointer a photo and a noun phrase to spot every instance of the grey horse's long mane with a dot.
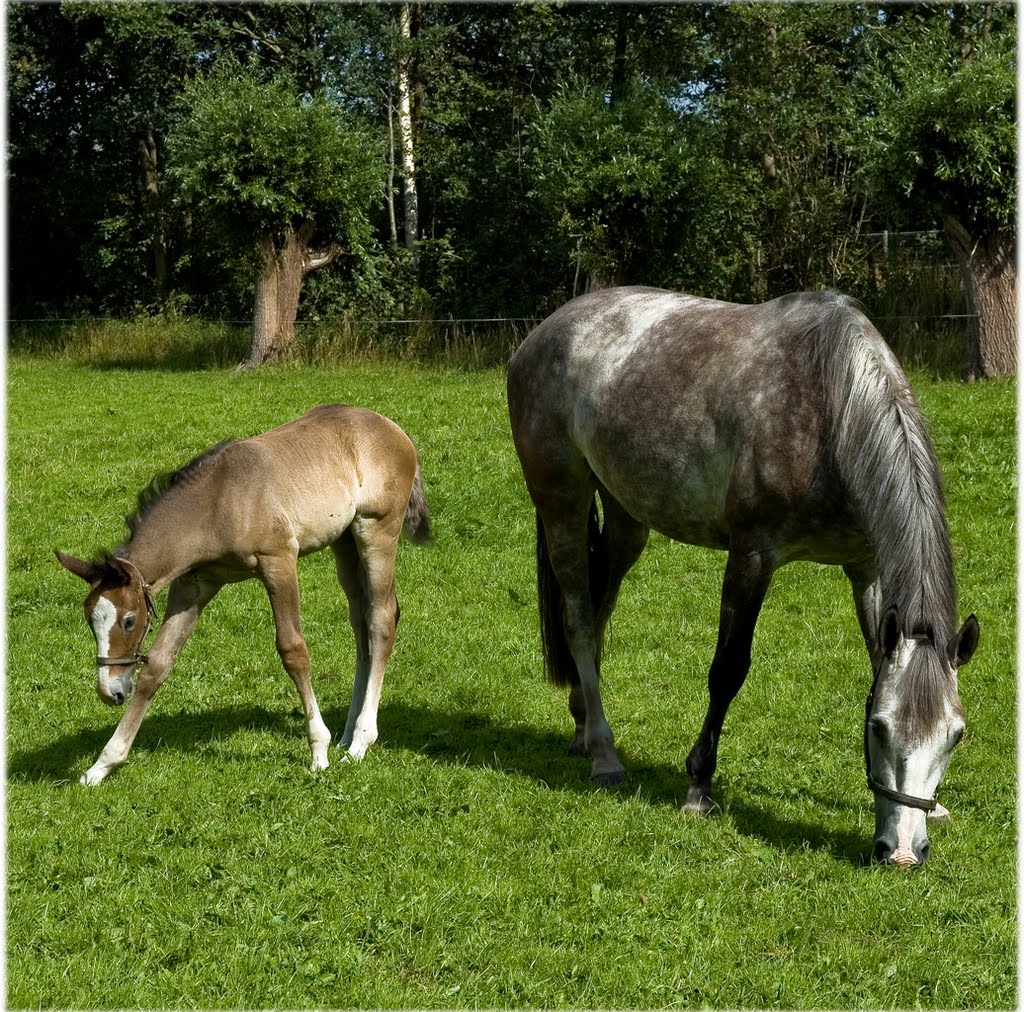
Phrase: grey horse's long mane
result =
(163, 483)
(887, 461)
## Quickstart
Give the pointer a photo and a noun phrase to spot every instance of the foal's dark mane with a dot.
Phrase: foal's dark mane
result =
(163, 483)
(886, 459)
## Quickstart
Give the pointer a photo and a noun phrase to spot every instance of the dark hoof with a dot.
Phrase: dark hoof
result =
(578, 749)
(616, 778)
(699, 802)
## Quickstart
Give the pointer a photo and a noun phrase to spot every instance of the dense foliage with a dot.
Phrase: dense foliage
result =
(734, 150)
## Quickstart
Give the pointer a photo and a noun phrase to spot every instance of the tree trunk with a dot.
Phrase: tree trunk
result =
(265, 307)
(405, 140)
(392, 220)
(990, 274)
(278, 287)
(153, 211)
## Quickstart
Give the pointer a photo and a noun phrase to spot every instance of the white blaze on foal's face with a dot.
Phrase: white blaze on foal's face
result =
(113, 632)
(103, 620)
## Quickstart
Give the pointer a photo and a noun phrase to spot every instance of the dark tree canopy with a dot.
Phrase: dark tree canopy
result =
(492, 159)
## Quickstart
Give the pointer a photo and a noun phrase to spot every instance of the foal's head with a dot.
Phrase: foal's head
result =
(914, 720)
(117, 609)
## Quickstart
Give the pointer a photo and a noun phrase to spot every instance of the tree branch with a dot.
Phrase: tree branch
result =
(314, 259)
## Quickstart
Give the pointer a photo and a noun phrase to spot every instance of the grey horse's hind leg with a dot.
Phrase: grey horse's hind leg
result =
(565, 523)
(747, 575)
(623, 539)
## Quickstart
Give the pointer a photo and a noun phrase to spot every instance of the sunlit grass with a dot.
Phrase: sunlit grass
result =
(467, 861)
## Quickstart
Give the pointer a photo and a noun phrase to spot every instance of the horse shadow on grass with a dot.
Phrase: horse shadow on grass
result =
(61, 760)
(461, 738)
(475, 739)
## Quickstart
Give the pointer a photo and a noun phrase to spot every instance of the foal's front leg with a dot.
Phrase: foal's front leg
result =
(185, 602)
(279, 576)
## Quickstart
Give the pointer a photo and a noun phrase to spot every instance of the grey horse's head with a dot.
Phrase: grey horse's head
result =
(914, 719)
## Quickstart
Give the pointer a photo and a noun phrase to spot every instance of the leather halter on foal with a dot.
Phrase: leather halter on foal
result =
(925, 804)
(136, 658)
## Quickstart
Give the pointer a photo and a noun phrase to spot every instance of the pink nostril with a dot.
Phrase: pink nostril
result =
(904, 857)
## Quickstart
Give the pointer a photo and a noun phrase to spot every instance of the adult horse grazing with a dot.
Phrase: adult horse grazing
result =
(776, 432)
(338, 477)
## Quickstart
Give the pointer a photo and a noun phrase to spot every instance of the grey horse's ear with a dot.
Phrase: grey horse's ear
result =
(88, 571)
(889, 633)
(962, 646)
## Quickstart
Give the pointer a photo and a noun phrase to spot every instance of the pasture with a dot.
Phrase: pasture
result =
(468, 861)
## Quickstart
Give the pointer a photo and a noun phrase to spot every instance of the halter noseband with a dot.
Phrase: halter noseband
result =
(925, 804)
(136, 658)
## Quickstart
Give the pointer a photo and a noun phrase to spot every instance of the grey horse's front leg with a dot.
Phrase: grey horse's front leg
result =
(747, 576)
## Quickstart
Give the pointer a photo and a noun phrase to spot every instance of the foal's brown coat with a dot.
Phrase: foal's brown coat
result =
(338, 477)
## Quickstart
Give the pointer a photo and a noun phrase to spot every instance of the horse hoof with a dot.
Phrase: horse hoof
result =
(613, 778)
(699, 803)
(577, 749)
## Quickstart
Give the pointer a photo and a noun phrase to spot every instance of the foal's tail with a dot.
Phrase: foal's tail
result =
(558, 662)
(417, 518)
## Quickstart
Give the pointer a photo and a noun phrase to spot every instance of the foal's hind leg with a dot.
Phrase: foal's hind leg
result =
(353, 582)
(622, 539)
(376, 542)
(185, 602)
(279, 576)
(747, 575)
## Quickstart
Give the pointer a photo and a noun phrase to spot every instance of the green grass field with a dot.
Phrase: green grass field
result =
(467, 861)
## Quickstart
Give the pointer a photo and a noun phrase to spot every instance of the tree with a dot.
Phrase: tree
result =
(90, 96)
(780, 92)
(616, 177)
(944, 150)
(273, 170)
(405, 136)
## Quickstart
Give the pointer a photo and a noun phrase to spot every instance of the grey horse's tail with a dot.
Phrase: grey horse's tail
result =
(558, 662)
(417, 518)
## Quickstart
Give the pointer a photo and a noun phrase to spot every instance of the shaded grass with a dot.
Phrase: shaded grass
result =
(932, 344)
(182, 344)
(467, 861)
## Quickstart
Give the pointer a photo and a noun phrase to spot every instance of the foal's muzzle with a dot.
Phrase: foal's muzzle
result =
(115, 690)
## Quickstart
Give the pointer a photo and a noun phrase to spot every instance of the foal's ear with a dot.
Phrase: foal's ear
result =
(889, 634)
(88, 571)
(964, 643)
